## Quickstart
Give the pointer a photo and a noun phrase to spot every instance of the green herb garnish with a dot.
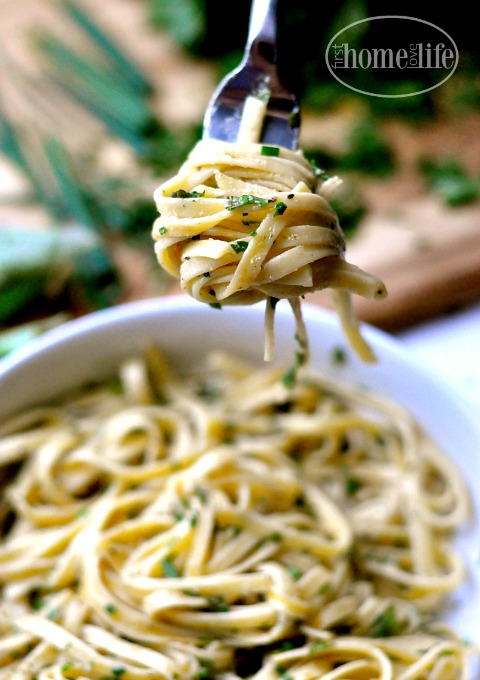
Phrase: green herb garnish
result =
(339, 356)
(352, 485)
(247, 199)
(110, 608)
(283, 673)
(385, 624)
(270, 151)
(295, 573)
(162, 230)
(218, 603)
(181, 193)
(215, 305)
(239, 246)
(169, 568)
(319, 646)
(279, 209)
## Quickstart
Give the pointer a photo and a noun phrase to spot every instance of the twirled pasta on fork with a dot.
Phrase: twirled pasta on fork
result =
(244, 222)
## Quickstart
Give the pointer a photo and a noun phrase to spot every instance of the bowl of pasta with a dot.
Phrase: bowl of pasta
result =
(174, 506)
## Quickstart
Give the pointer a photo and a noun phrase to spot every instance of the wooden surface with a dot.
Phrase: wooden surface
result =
(427, 254)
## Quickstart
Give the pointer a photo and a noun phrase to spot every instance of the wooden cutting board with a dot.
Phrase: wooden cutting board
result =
(428, 257)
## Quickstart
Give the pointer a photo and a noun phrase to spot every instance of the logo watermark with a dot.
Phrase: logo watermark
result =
(404, 50)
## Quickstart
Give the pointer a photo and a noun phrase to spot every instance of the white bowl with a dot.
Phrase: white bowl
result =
(91, 347)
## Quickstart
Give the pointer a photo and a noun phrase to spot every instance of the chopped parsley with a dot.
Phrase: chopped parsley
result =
(215, 305)
(218, 603)
(110, 608)
(169, 569)
(352, 485)
(339, 356)
(289, 378)
(283, 673)
(280, 208)
(295, 573)
(239, 246)
(270, 151)
(162, 230)
(385, 624)
(181, 193)
(247, 199)
(319, 646)
(253, 233)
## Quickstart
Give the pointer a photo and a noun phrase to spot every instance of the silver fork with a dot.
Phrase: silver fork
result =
(256, 75)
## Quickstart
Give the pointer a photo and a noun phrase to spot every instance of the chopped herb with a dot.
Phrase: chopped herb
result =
(280, 208)
(67, 667)
(162, 230)
(81, 513)
(218, 603)
(169, 568)
(324, 588)
(275, 537)
(339, 356)
(38, 603)
(234, 529)
(239, 246)
(181, 193)
(385, 624)
(319, 646)
(270, 151)
(253, 233)
(295, 573)
(110, 608)
(352, 485)
(300, 358)
(247, 199)
(215, 305)
(207, 275)
(248, 223)
(118, 671)
(283, 673)
(289, 378)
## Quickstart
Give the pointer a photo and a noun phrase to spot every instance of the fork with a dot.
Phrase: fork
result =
(257, 76)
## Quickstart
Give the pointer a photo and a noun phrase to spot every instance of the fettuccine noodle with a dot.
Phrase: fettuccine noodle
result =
(242, 222)
(226, 525)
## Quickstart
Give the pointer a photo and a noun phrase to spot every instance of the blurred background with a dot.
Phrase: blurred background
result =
(100, 102)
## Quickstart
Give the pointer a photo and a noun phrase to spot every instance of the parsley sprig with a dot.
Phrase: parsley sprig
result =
(247, 199)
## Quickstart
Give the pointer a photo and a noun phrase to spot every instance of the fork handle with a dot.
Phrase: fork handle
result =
(262, 33)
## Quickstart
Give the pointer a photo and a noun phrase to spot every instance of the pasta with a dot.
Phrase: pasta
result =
(226, 525)
(242, 222)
